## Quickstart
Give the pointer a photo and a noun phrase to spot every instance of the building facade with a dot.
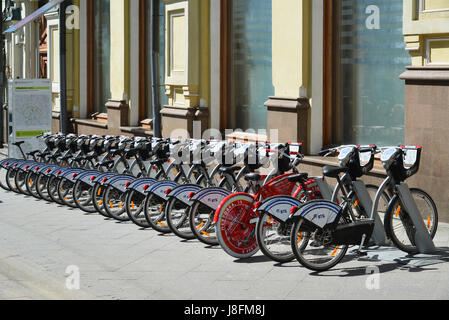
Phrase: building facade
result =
(320, 72)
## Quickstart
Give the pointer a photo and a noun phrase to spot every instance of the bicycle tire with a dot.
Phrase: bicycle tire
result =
(114, 204)
(201, 220)
(20, 182)
(154, 209)
(278, 249)
(178, 219)
(235, 231)
(65, 192)
(396, 210)
(41, 187)
(52, 189)
(300, 237)
(31, 183)
(3, 177)
(134, 202)
(82, 197)
(10, 179)
(97, 200)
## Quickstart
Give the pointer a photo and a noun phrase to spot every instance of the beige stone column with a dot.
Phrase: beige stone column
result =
(289, 109)
(186, 65)
(118, 105)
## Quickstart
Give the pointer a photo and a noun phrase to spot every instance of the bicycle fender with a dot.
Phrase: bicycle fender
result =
(35, 167)
(211, 197)
(71, 174)
(7, 162)
(120, 182)
(140, 184)
(88, 177)
(160, 188)
(58, 172)
(320, 212)
(183, 192)
(25, 166)
(279, 207)
(48, 169)
(103, 177)
(15, 163)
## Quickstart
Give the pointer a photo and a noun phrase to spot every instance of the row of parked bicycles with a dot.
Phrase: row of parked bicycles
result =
(214, 191)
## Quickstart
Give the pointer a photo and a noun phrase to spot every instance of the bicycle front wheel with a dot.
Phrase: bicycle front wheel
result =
(313, 248)
(273, 238)
(201, 224)
(236, 226)
(177, 214)
(399, 226)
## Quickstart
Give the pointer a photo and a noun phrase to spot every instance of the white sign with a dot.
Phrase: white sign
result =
(30, 114)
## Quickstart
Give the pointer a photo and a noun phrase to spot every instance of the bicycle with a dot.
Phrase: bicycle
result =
(237, 216)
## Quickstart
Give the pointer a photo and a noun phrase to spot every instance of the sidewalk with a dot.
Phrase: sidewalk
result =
(43, 243)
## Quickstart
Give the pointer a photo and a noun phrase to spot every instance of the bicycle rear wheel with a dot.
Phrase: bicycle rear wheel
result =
(3, 177)
(177, 213)
(114, 203)
(42, 187)
(154, 209)
(82, 197)
(31, 184)
(236, 231)
(399, 226)
(11, 179)
(273, 238)
(201, 221)
(20, 182)
(97, 199)
(134, 208)
(313, 248)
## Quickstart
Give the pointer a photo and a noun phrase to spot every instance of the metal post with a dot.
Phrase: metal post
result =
(154, 71)
(2, 73)
(62, 67)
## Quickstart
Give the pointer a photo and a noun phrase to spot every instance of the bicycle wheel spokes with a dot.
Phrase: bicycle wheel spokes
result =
(313, 247)
(274, 238)
(201, 224)
(114, 204)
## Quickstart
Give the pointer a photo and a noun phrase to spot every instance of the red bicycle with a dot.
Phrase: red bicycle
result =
(236, 217)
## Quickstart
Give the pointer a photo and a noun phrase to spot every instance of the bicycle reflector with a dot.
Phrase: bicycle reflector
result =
(145, 188)
(92, 179)
(26, 167)
(59, 172)
(7, 164)
(191, 194)
(36, 169)
(257, 205)
(104, 180)
(293, 210)
(48, 171)
(167, 191)
(127, 184)
(74, 175)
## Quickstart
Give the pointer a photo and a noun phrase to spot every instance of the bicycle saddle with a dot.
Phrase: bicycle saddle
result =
(254, 177)
(301, 178)
(230, 170)
(17, 144)
(334, 172)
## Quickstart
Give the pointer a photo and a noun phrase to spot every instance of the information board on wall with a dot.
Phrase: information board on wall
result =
(30, 114)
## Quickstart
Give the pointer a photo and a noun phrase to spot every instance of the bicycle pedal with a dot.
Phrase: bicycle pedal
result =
(361, 254)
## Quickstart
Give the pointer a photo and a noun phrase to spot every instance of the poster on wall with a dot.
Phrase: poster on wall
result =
(30, 114)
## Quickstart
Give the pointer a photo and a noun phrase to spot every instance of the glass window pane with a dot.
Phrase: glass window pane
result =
(372, 55)
(102, 51)
(252, 60)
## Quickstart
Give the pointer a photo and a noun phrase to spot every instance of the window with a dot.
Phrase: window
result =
(370, 57)
(252, 62)
(102, 48)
